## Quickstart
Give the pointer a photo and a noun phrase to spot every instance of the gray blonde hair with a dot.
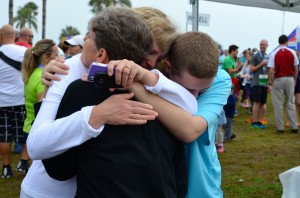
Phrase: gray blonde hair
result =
(122, 33)
(163, 30)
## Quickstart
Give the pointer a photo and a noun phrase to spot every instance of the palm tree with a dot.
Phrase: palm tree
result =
(68, 31)
(27, 15)
(98, 5)
(44, 19)
(121, 3)
(10, 12)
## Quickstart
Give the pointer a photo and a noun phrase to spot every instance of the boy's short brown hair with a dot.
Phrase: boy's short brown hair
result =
(195, 52)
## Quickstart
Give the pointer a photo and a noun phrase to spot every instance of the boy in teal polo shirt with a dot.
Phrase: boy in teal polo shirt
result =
(204, 170)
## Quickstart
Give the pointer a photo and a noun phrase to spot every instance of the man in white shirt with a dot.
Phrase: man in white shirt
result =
(12, 109)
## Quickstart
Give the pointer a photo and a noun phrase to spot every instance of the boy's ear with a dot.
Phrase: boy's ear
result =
(167, 66)
(102, 56)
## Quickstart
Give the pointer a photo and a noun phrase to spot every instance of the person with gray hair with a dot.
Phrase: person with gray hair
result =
(115, 33)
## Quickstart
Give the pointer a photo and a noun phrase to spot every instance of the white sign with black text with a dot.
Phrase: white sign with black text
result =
(203, 19)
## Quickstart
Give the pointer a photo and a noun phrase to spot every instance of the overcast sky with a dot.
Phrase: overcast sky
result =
(229, 24)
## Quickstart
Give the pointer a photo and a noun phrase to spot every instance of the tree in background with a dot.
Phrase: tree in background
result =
(98, 5)
(68, 31)
(10, 12)
(44, 19)
(27, 15)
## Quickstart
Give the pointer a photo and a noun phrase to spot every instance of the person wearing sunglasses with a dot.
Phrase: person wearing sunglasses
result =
(25, 37)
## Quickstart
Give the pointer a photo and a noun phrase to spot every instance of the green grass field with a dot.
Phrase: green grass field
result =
(251, 163)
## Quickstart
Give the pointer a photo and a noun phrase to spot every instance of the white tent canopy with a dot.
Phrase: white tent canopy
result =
(284, 5)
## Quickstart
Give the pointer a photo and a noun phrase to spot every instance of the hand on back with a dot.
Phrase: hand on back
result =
(120, 110)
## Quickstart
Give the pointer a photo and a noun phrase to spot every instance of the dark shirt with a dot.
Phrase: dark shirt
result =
(229, 108)
(123, 161)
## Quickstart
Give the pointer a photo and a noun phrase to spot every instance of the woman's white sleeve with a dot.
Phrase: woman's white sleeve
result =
(49, 137)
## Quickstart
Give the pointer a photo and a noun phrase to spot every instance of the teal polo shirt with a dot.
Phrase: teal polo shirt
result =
(204, 170)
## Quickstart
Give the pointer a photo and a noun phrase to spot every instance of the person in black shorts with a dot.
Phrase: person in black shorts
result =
(260, 86)
(12, 109)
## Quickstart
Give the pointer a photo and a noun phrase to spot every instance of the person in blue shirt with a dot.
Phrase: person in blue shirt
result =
(198, 131)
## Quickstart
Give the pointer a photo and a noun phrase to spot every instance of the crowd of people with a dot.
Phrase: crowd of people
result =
(21, 88)
(259, 74)
(159, 135)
